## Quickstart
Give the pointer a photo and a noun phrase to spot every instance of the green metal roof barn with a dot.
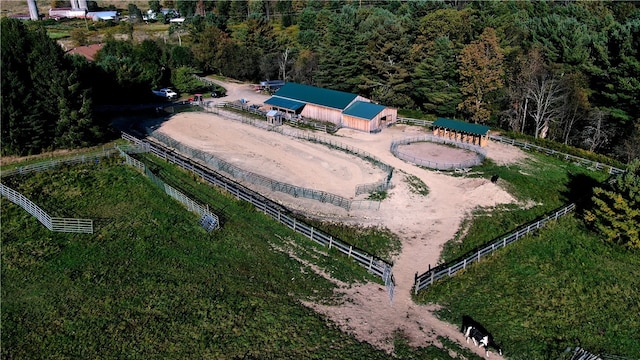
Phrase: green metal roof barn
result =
(338, 107)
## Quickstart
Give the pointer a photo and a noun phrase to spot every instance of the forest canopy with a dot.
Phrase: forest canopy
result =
(563, 71)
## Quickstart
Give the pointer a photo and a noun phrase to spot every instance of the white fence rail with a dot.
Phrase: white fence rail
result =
(68, 225)
(584, 162)
(449, 269)
(374, 265)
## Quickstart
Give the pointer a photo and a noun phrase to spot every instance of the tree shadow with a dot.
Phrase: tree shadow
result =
(580, 190)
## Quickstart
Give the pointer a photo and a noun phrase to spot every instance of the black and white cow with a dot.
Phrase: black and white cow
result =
(480, 336)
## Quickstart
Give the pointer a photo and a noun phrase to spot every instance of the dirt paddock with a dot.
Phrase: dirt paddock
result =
(423, 223)
(437, 153)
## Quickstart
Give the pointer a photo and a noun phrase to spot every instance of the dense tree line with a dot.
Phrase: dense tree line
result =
(47, 99)
(566, 71)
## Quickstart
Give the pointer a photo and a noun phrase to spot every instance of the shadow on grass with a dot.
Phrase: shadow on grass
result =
(580, 190)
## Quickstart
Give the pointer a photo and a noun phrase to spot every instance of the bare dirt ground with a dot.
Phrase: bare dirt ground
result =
(423, 223)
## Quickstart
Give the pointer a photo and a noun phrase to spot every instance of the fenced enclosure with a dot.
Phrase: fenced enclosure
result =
(49, 164)
(67, 225)
(449, 269)
(360, 189)
(57, 224)
(481, 153)
(374, 265)
(279, 186)
(594, 165)
(208, 220)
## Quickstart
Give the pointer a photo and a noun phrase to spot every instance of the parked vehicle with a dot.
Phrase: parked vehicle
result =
(166, 93)
(197, 99)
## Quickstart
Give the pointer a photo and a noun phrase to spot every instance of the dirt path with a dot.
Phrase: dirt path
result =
(423, 223)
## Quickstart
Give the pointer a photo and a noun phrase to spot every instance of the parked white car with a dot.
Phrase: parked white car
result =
(166, 93)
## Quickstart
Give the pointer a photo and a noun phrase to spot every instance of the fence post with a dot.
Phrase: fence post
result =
(350, 249)
(330, 241)
(370, 262)
(415, 284)
(311, 237)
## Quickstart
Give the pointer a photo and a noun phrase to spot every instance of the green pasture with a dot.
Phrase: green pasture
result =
(540, 183)
(150, 283)
(10, 162)
(562, 287)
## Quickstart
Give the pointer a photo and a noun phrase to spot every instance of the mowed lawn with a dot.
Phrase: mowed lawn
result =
(562, 287)
(150, 283)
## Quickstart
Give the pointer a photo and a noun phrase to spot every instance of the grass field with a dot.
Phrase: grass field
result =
(544, 182)
(150, 283)
(562, 287)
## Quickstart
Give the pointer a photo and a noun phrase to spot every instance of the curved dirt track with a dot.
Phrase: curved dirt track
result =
(423, 223)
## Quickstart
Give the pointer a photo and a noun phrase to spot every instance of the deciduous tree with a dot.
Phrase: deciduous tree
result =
(598, 132)
(481, 72)
(545, 93)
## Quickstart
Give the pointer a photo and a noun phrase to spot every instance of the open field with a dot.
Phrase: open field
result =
(151, 283)
(423, 220)
(561, 288)
(423, 223)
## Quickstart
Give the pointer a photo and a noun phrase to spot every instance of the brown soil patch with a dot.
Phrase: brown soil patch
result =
(437, 153)
(423, 223)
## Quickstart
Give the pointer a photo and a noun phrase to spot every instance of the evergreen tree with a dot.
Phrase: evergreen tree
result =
(435, 79)
(615, 212)
(47, 98)
(341, 63)
(386, 76)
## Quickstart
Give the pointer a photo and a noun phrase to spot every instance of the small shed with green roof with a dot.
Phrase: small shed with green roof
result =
(461, 131)
(337, 107)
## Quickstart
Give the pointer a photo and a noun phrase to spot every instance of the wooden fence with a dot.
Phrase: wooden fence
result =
(449, 269)
(68, 225)
(374, 265)
(293, 190)
(417, 122)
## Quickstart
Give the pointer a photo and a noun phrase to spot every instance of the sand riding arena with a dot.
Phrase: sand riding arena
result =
(422, 222)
